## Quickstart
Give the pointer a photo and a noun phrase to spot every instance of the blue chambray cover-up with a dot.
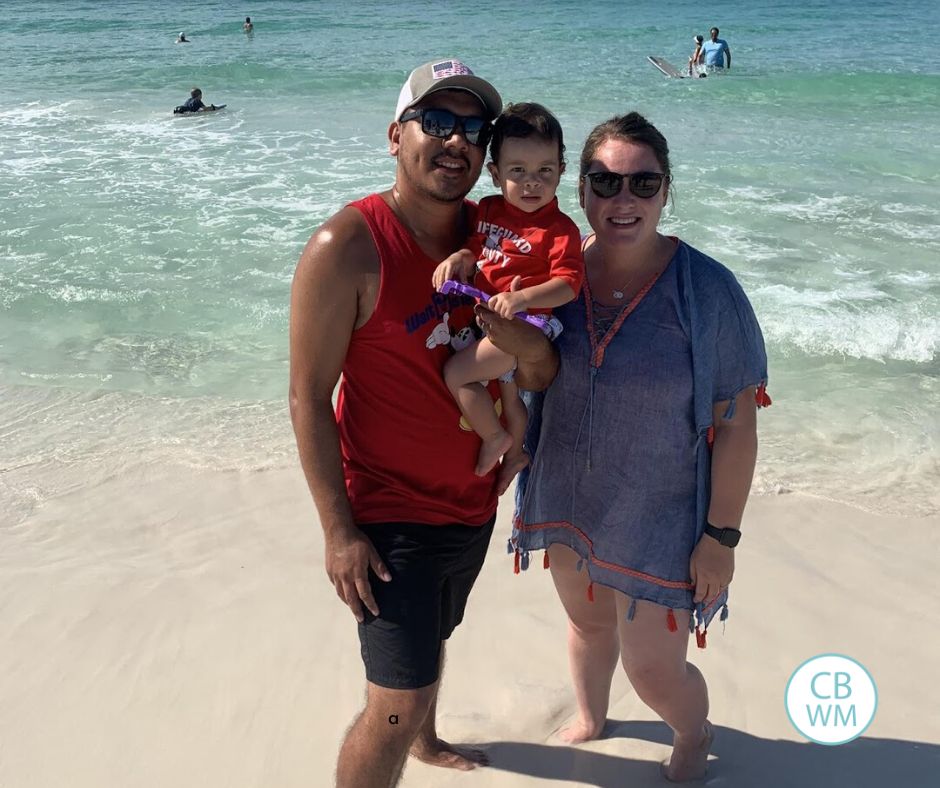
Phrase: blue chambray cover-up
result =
(620, 467)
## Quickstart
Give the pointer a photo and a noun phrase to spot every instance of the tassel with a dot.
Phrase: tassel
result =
(671, 624)
(525, 560)
(545, 561)
(762, 397)
(700, 637)
(631, 613)
(710, 436)
(691, 624)
(724, 614)
(590, 592)
(509, 547)
(515, 564)
(580, 564)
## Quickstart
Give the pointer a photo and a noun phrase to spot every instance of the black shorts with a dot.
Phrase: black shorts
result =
(433, 568)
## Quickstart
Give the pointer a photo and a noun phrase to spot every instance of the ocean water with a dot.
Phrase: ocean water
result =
(146, 259)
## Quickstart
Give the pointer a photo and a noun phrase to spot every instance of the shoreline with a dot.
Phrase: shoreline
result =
(59, 439)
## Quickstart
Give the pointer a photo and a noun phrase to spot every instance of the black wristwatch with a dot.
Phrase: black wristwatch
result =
(729, 537)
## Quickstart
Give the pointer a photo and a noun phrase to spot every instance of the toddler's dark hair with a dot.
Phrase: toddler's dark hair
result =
(526, 119)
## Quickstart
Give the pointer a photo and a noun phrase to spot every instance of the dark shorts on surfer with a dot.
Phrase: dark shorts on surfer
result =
(433, 568)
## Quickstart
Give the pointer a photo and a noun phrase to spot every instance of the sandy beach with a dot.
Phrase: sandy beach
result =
(165, 617)
(176, 628)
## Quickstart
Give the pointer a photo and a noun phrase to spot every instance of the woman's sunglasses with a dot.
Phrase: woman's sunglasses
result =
(443, 123)
(640, 184)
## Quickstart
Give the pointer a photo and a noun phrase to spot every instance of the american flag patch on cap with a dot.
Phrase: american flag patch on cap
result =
(449, 68)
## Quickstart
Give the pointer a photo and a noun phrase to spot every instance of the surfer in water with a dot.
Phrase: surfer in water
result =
(194, 104)
(248, 27)
(181, 38)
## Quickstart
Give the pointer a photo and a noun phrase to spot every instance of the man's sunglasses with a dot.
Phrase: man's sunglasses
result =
(640, 184)
(443, 123)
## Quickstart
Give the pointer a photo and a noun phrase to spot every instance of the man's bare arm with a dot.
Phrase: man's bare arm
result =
(324, 311)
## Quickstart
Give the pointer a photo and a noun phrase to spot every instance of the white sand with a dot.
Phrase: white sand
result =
(168, 628)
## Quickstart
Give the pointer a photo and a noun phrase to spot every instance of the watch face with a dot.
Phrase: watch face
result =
(730, 537)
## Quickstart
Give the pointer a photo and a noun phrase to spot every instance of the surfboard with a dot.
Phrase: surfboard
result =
(666, 67)
(216, 108)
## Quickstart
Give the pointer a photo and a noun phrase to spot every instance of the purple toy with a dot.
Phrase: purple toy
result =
(550, 327)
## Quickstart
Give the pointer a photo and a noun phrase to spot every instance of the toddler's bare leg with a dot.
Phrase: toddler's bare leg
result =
(463, 373)
(517, 418)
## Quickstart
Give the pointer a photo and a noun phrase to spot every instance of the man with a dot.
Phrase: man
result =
(715, 51)
(391, 471)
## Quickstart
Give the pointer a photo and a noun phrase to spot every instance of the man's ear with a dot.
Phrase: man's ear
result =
(394, 138)
(561, 169)
(494, 174)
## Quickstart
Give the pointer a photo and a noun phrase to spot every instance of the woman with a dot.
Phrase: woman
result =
(643, 447)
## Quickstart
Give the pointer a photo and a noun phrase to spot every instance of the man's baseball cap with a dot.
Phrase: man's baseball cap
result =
(448, 74)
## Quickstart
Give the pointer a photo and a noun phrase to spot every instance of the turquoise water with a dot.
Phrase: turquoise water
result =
(146, 259)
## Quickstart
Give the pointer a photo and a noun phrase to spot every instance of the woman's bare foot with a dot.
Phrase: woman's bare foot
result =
(580, 731)
(689, 758)
(491, 450)
(509, 469)
(438, 752)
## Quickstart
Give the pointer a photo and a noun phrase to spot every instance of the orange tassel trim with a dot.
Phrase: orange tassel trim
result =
(762, 397)
(515, 564)
(671, 624)
(545, 562)
(700, 635)
(590, 592)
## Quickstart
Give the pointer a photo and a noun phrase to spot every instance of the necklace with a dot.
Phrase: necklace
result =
(644, 269)
(618, 294)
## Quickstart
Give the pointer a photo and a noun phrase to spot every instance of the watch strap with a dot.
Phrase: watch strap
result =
(728, 537)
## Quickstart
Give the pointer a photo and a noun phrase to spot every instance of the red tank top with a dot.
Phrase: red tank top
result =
(406, 455)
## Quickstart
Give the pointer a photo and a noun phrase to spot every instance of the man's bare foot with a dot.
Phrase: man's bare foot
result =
(438, 752)
(491, 450)
(689, 758)
(580, 731)
(508, 470)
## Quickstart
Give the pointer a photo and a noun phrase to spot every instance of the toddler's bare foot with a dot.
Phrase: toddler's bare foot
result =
(689, 758)
(491, 450)
(508, 470)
